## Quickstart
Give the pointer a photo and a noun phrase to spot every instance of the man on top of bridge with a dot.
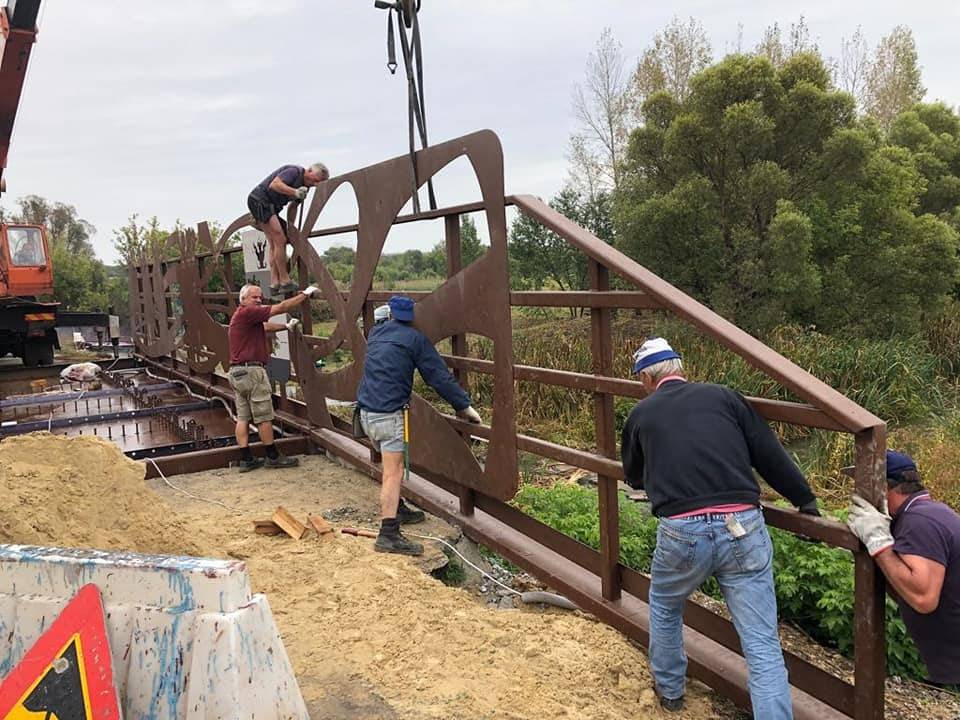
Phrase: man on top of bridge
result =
(918, 550)
(394, 350)
(249, 355)
(693, 447)
(288, 183)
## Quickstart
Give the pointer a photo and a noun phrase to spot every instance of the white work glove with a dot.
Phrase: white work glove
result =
(872, 526)
(292, 324)
(471, 415)
(310, 290)
(300, 193)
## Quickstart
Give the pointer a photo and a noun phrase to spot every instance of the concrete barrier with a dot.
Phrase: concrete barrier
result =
(187, 638)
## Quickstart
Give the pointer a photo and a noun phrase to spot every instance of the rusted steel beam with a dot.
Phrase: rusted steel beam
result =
(458, 342)
(804, 385)
(62, 422)
(583, 555)
(823, 529)
(601, 348)
(819, 528)
(774, 410)
(401, 219)
(869, 596)
(219, 457)
(628, 300)
(44, 399)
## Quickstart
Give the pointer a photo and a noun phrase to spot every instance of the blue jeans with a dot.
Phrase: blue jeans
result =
(688, 552)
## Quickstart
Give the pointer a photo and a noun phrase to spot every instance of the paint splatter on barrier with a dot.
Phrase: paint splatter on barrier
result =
(187, 637)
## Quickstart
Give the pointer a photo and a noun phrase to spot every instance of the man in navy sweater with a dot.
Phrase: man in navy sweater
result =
(394, 350)
(693, 447)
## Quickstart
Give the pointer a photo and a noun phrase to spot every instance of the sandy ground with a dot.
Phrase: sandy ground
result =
(369, 635)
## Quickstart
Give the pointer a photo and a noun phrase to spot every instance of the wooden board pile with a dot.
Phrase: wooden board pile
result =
(283, 521)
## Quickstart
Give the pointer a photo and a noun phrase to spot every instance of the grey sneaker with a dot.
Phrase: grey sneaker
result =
(282, 461)
(408, 515)
(397, 544)
(248, 465)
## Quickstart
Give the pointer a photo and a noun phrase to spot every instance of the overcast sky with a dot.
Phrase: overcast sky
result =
(176, 108)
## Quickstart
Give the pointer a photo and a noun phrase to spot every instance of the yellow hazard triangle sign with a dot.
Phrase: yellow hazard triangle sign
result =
(67, 674)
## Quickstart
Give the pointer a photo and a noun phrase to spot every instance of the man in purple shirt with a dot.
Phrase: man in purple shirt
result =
(288, 183)
(918, 550)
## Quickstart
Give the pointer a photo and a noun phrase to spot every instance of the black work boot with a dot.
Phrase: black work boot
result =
(282, 461)
(390, 540)
(670, 704)
(408, 515)
(248, 465)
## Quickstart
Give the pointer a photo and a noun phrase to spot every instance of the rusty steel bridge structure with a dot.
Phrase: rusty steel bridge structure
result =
(178, 291)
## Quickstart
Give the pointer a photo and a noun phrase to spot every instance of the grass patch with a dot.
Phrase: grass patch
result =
(452, 573)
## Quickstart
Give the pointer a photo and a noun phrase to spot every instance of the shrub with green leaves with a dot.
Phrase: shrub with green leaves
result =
(814, 582)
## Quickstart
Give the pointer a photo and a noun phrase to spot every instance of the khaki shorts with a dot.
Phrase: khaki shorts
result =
(252, 393)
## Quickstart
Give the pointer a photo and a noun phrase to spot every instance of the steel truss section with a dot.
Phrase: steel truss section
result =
(189, 345)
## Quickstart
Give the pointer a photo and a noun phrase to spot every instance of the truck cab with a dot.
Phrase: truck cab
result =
(27, 325)
(25, 267)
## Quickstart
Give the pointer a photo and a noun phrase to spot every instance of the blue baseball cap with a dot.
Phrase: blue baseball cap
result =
(401, 308)
(653, 351)
(898, 462)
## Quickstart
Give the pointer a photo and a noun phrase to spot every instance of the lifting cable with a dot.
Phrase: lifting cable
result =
(406, 12)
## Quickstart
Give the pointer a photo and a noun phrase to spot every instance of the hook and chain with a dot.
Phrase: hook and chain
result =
(404, 13)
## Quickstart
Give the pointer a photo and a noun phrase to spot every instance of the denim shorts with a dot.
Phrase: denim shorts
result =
(385, 430)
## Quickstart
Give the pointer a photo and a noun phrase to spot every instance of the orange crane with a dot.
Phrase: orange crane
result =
(18, 27)
(27, 326)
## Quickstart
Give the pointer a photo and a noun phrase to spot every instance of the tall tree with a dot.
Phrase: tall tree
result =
(893, 82)
(852, 68)
(64, 226)
(601, 107)
(760, 195)
(932, 133)
(678, 52)
(135, 238)
(778, 50)
(541, 258)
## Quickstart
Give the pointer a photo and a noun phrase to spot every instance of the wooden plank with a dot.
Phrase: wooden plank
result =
(323, 528)
(266, 527)
(291, 526)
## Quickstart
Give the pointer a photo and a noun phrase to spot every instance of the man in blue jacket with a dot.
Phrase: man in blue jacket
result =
(394, 350)
(693, 447)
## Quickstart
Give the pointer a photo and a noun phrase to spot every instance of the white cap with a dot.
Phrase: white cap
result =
(381, 314)
(653, 351)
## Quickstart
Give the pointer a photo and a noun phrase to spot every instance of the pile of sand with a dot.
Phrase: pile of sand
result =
(82, 492)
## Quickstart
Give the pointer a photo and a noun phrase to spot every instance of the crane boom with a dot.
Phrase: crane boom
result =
(18, 32)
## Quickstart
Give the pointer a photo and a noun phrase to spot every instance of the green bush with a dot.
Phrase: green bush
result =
(814, 582)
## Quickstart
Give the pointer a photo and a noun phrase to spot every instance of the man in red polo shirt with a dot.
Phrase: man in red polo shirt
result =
(249, 355)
